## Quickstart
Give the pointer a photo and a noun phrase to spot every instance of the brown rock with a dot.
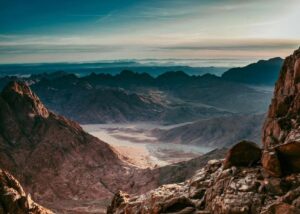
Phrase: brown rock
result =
(281, 208)
(271, 163)
(289, 154)
(244, 153)
(14, 200)
(119, 198)
(281, 130)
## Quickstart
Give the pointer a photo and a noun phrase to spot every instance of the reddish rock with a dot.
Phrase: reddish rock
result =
(271, 163)
(281, 208)
(281, 132)
(14, 200)
(289, 154)
(244, 153)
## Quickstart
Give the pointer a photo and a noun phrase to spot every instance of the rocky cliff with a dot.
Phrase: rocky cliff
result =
(249, 180)
(13, 198)
(281, 132)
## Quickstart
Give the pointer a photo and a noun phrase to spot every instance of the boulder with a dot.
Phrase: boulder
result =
(289, 156)
(245, 153)
(271, 163)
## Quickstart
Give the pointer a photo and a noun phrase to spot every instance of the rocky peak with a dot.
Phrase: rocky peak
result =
(281, 132)
(22, 100)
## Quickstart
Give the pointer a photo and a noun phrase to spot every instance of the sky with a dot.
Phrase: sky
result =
(91, 30)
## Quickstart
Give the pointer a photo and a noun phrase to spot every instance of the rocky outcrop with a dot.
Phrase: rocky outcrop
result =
(281, 132)
(13, 199)
(240, 190)
(240, 184)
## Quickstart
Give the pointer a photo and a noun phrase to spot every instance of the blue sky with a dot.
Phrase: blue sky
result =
(88, 30)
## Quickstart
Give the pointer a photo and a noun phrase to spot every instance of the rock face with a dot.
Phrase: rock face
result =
(55, 160)
(236, 185)
(13, 199)
(281, 132)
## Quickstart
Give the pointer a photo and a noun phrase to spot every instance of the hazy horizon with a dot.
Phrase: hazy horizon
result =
(70, 31)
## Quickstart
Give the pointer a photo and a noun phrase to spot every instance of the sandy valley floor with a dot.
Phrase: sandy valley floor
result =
(139, 147)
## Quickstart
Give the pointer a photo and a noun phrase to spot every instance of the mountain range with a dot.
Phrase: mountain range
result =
(172, 97)
(263, 72)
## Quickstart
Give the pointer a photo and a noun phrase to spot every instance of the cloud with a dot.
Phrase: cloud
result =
(237, 44)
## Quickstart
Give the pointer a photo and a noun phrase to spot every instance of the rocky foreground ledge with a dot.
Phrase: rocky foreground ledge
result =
(249, 180)
(238, 189)
(14, 200)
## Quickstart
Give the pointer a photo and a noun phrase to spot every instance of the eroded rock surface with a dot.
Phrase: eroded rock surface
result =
(13, 198)
(215, 190)
(281, 132)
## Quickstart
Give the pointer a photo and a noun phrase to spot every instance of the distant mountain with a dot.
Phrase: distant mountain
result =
(263, 72)
(172, 97)
(215, 132)
(114, 67)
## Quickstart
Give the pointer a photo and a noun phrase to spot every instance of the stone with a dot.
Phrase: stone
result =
(244, 153)
(13, 199)
(281, 208)
(271, 163)
(281, 131)
(289, 155)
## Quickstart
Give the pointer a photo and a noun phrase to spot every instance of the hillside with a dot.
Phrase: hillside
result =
(215, 132)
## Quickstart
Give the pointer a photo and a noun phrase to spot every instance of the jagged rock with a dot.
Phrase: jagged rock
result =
(281, 132)
(244, 153)
(271, 163)
(119, 198)
(14, 200)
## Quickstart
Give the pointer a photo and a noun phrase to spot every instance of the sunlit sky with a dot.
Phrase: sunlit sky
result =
(89, 30)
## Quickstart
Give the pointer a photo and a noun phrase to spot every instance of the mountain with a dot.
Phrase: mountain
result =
(263, 72)
(13, 198)
(250, 179)
(65, 168)
(54, 158)
(105, 67)
(172, 97)
(215, 132)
